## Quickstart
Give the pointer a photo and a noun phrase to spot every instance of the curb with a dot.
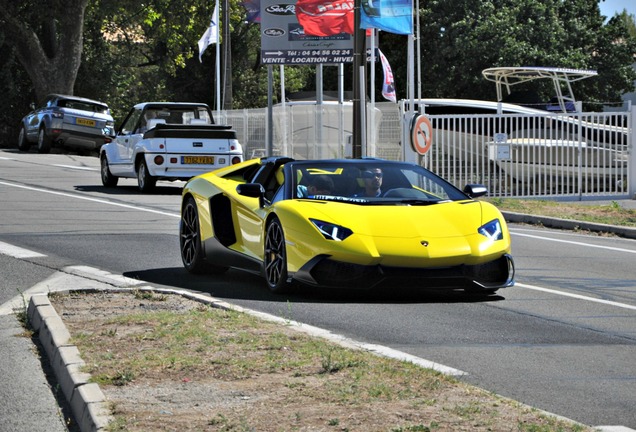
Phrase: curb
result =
(87, 401)
(569, 224)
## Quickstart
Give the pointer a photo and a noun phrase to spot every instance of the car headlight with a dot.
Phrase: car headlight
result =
(331, 231)
(492, 230)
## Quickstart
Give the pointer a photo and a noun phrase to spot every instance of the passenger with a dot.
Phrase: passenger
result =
(149, 115)
(319, 185)
(372, 183)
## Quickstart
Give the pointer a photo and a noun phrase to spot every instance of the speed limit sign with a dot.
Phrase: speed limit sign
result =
(421, 134)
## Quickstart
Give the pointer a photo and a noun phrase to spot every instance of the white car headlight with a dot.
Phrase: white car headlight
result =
(492, 230)
(331, 231)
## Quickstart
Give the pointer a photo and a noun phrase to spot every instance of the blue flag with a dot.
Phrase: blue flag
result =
(393, 16)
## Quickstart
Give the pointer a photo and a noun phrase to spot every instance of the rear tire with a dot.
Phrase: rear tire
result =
(275, 259)
(108, 179)
(145, 181)
(23, 143)
(190, 241)
(44, 142)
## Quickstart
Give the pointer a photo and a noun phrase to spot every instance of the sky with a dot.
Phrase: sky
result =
(610, 7)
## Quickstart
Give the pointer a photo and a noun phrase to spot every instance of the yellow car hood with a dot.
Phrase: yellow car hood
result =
(443, 220)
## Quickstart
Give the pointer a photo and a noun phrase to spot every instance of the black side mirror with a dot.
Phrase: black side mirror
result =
(475, 190)
(252, 190)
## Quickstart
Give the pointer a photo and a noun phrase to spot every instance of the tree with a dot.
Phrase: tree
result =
(460, 38)
(47, 36)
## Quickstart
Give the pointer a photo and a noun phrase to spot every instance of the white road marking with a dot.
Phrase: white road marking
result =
(85, 198)
(573, 242)
(576, 296)
(18, 252)
(77, 167)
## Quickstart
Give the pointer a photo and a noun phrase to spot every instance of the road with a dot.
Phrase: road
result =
(562, 340)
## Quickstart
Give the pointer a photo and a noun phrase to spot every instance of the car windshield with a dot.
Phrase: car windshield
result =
(370, 182)
(180, 115)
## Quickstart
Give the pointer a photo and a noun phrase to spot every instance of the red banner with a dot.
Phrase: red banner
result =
(325, 18)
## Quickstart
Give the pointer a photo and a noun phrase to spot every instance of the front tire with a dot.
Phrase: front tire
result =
(190, 242)
(108, 179)
(275, 259)
(145, 181)
(44, 142)
(23, 143)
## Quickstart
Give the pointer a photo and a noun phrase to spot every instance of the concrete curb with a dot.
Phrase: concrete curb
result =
(87, 401)
(551, 222)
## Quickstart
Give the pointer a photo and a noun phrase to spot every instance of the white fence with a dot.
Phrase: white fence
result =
(514, 155)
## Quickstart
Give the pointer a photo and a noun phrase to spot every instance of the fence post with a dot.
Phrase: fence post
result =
(631, 163)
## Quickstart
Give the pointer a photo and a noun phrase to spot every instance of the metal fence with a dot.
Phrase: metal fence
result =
(514, 155)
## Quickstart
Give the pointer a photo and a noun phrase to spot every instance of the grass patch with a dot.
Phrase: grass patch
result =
(200, 368)
(611, 214)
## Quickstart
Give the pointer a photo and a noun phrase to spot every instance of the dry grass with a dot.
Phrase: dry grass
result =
(168, 363)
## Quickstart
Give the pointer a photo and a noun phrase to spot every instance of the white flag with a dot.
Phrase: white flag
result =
(211, 35)
(388, 85)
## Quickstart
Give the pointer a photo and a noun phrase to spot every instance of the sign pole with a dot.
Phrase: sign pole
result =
(359, 57)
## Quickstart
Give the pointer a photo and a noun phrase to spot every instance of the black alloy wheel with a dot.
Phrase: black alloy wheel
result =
(190, 241)
(275, 260)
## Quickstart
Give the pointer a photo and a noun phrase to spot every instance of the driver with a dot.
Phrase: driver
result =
(372, 183)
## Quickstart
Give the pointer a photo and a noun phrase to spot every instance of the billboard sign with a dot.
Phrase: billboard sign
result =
(283, 40)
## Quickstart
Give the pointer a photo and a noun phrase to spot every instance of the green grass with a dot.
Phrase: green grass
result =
(611, 214)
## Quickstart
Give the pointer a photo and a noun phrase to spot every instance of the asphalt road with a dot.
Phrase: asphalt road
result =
(563, 339)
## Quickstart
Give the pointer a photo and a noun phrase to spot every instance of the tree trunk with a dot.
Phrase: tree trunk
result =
(52, 55)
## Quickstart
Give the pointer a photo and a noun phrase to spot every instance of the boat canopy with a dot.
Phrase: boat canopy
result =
(511, 76)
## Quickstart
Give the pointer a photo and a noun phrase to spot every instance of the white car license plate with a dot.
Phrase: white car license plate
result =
(198, 160)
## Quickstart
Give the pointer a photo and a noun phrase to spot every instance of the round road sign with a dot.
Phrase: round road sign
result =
(421, 134)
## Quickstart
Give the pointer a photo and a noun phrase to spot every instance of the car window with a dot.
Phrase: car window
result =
(82, 105)
(130, 123)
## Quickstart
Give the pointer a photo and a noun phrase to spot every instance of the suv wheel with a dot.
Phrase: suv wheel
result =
(23, 144)
(44, 142)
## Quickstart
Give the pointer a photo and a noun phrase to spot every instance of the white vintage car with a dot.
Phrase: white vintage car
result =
(168, 141)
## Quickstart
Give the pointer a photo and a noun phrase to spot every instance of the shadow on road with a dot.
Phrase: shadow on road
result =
(130, 190)
(240, 285)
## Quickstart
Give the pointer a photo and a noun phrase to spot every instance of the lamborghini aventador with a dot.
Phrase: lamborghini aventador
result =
(357, 223)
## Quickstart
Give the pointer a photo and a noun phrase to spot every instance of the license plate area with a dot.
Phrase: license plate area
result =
(85, 122)
(197, 160)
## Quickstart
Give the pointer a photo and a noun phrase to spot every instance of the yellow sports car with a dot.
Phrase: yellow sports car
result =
(360, 223)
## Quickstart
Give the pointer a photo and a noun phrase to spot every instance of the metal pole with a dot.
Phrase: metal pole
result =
(370, 148)
(359, 56)
(319, 149)
(270, 110)
(227, 58)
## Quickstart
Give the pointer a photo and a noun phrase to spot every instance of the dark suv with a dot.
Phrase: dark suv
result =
(67, 121)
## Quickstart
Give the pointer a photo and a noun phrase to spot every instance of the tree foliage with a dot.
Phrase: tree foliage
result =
(460, 38)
